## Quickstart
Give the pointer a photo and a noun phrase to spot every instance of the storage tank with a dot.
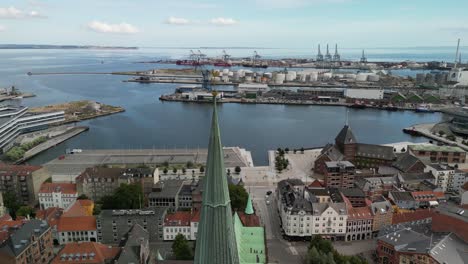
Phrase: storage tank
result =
(230, 74)
(373, 78)
(361, 77)
(216, 79)
(327, 76)
(279, 78)
(268, 75)
(302, 78)
(248, 79)
(258, 78)
(290, 77)
(225, 71)
(225, 79)
(313, 76)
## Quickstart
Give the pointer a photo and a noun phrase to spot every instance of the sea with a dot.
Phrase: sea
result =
(150, 123)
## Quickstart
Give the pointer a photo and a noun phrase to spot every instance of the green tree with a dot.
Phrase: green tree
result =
(238, 196)
(202, 169)
(286, 150)
(10, 202)
(25, 211)
(83, 197)
(181, 248)
(127, 196)
(184, 170)
(174, 170)
(165, 170)
(237, 169)
(302, 150)
(189, 164)
(166, 164)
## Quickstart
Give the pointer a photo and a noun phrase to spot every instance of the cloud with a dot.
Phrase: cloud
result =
(295, 3)
(222, 21)
(14, 13)
(177, 21)
(122, 28)
(2, 28)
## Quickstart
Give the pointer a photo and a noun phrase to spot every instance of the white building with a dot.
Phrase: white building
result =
(60, 195)
(374, 94)
(76, 228)
(16, 120)
(459, 76)
(302, 214)
(254, 87)
(457, 180)
(442, 174)
(181, 222)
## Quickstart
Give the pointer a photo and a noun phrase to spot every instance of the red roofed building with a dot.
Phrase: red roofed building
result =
(80, 208)
(359, 222)
(316, 184)
(411, 216)
(59, 195)
(52, 216)
(455, 222)
(181, 222)
(428, 198)
(86, 253)
(77, 228)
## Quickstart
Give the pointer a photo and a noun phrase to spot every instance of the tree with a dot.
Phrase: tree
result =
(189, 164)
(181, 248)
(127, 196)
(83, 197)
(238, 196)
(228, 171)
(174, 170)
(10, 202)
(237, 169)
(202, 169)
(286, 150)
(165, 170)
(295, 151)
(25, 211)
(166, 164)
(403, 150)
(184, 170)
(441, 133)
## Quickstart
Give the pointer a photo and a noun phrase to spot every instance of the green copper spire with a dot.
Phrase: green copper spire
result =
(216, 241)
(249, 208)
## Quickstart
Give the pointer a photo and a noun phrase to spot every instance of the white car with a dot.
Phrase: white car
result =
(267, 202)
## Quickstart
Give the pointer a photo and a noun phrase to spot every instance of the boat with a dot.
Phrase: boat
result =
(357, 105)
(423, 109)
(222, 64)
(390, 107)
(188, 62)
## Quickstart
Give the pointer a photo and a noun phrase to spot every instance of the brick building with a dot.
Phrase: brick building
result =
(443, 154)
(86, 253)
(346, 148)
(23, 181)
(29, 243)
(339, 174)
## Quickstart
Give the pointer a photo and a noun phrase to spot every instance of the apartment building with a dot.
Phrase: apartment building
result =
(60, 195)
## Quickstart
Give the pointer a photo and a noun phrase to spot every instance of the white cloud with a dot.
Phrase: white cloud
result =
(223, 21)
(177, 21)
(15, 13)
(2, 28)
(122, 28)
(295, 3)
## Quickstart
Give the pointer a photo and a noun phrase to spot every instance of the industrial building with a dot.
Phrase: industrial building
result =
(16, 120)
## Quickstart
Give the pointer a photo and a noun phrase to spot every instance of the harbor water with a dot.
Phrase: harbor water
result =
(150, 123)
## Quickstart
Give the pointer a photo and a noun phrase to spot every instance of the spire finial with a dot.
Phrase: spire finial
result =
(249, 207)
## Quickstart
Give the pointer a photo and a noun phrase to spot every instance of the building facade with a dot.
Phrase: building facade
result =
(17, 120)
(112, 225)
(443, 174)
(60, 195)
(76, 228)
(443, 154)
(339, 174)
(23, 181)
(29, 243)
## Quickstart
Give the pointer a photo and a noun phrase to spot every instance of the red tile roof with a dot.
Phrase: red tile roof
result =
(51, 215)
(411, 216)
(102, 253)
(66, 188)
(20, 170)
(447, 223)
(77, 208)
(465, 186)
(180, 218)
(316, 184)
(249, 220)
(78, 223)
(427, 196)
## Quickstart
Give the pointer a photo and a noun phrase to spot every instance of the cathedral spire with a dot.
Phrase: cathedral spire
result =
(216, 242)
(249, 208)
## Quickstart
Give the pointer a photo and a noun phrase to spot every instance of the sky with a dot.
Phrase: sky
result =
(235, 23)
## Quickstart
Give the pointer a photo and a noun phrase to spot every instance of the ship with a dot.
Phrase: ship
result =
(357, 105)
(423, 109)
(222, 64)
(188, 62)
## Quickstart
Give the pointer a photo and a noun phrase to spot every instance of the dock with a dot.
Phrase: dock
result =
(424, 130)
(52, 142)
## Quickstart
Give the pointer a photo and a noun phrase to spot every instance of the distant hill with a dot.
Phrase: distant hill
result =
(34, 46)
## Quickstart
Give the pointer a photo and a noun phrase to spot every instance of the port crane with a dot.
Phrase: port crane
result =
(226, 56)
(206, 74)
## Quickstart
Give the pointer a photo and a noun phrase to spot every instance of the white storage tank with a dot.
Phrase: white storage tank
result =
(351, 76)
(225, 71)
(225, 79)
(268, 75)
(230, 74)
(279, 78)
(376, 94)
(313, 76)
(361, 77)
(373, 78)
(290, 77)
